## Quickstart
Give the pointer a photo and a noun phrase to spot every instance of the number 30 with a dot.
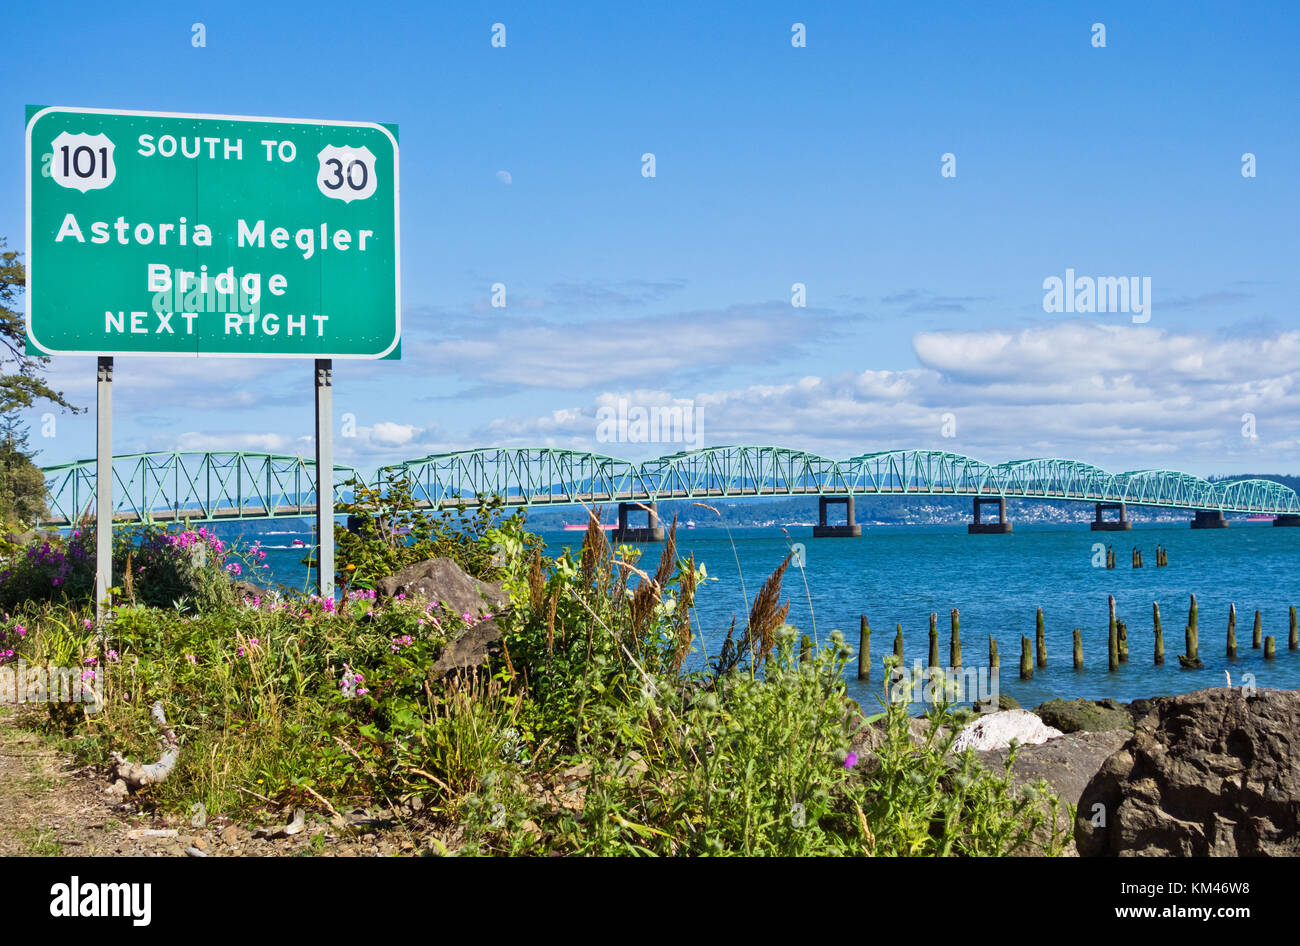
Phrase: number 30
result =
(339, 178)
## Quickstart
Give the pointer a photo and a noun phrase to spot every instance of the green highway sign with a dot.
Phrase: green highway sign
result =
(152, 233)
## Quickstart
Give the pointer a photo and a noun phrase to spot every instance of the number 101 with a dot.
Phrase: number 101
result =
(73, 161)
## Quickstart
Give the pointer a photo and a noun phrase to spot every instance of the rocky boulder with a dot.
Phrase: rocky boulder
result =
(1085, 715)
(470, 650)
(248, 589)
(457, 593)
(442, 580)
(1067, 764)
(1215, 772)
(30, 536)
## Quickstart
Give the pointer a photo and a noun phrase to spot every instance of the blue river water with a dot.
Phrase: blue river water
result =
(899, 575)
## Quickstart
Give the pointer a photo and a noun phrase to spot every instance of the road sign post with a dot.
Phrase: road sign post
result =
(103, 486)
(175, 234)
(325, 476)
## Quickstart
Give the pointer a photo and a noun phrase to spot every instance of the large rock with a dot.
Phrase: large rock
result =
(30, 536)
(996, 730)
(1215, 772)
(1085, 715)
(470, 650)
(248, 589)
(442, 580)
(1067, 763)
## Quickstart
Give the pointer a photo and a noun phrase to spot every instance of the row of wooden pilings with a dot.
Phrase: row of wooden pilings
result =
(1162, 557)
(1035, 653)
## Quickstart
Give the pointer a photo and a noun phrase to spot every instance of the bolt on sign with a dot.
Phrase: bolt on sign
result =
(152, 233)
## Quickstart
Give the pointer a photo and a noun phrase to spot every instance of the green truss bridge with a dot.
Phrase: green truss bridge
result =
(206, 487)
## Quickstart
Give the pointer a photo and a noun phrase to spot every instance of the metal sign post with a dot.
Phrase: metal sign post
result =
(325, 476)
(103, 487)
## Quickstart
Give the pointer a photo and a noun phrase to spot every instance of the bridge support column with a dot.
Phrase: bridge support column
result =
(652, 532)
(1100, 524)
(823, 530)
(1287, 520)
(1209, 519)
(979, 526)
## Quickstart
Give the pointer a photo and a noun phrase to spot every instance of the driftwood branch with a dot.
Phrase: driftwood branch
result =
(136, 775)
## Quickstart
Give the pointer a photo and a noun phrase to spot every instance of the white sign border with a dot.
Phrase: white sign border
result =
(397, 232)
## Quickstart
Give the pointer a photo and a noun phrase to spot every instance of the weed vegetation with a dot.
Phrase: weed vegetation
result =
(598, 726)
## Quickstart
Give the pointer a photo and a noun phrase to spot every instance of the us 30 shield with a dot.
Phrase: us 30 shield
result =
(346, 173)
(83, 162)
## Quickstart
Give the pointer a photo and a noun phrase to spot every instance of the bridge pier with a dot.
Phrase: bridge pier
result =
(651, 532)
(1100, 524)
(1287, 520)
(850, 529)
(1209, 519)
(979, 527)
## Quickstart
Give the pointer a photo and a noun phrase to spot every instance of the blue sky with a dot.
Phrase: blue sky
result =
(774, 165)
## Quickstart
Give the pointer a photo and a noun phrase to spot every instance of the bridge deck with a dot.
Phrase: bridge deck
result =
(166, 487)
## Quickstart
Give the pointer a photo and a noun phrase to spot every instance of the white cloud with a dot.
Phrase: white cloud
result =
(574, 356)
(389, 434)
(227, 440)
(1121, 397)
(1118, 396)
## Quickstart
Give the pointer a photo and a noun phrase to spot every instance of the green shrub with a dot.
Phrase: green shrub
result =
(387, 531)
(54, 569)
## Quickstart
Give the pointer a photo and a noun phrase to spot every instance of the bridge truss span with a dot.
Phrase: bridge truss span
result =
(202, 487)
(214, 486)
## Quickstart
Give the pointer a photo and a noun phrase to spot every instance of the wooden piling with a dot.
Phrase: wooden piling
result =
(1257, 635)
(934, 640)
(1190, 660)
(1160, 641)
(1191, 620)
(1026, 658)
(1293, 636)
(898, 645)
(1232, 631)
(1121, 641)
(1270, 649)
(994, 662)
(1078, 649)
(954, 646)
(1040, 640)
(864, 649)
(1113, 631)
